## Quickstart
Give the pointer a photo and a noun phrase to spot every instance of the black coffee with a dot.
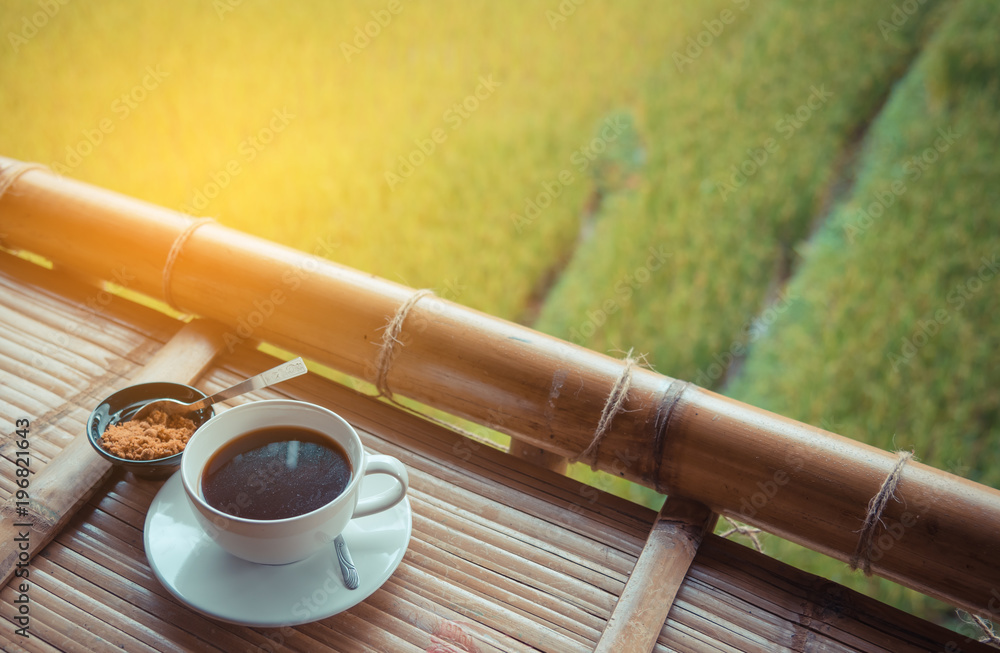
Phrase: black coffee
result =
(275, 472)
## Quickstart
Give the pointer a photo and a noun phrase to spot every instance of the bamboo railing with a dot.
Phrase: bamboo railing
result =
(940, 536)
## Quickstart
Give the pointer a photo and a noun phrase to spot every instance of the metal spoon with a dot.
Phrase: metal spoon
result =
(347, 568)
(274, 375)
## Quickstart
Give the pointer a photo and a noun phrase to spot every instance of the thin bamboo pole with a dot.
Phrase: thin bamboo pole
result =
(941, 537)
(642, 609)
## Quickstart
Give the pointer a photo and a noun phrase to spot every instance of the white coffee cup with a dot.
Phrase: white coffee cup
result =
(281, 541)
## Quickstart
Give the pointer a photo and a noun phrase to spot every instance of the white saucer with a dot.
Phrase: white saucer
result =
(205, 577)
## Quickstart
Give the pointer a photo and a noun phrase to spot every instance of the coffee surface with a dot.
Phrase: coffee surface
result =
(275, 473)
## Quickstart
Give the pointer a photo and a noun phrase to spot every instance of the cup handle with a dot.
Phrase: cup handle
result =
(378, 464)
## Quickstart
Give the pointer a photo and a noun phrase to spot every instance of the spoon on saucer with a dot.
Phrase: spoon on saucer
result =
(347, 568)
(283, 372)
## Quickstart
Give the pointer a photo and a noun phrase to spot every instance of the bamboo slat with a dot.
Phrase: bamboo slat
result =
(801, 482)
(371, 628)
(83, 610)
(579, 589)
(659, 572)
(520, 596)
(53, 632)
(171, 622)
(68, 481)
(447, 627)
(738, 598)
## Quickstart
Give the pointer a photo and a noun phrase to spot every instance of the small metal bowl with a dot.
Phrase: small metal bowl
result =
(122, 405)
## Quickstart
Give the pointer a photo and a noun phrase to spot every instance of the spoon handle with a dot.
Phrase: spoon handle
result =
(283, 372)
(347, 568)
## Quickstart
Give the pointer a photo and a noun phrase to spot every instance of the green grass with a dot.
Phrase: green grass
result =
(894, 340)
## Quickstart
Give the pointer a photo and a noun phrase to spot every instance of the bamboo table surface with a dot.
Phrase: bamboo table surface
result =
(504, 556)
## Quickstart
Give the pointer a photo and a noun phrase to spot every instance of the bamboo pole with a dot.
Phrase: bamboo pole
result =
(65, 484)
(642, 609)
(941, 536)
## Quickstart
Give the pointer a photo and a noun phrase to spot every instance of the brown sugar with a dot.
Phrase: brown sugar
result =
(157, 436)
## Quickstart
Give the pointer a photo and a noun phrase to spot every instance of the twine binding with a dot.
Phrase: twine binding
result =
(661, 426)
(862, 553)
(388, 349)
(174, 254)
(11, 173)
(750, 532)
(985, 625)
(390, 342)
(613, 405)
